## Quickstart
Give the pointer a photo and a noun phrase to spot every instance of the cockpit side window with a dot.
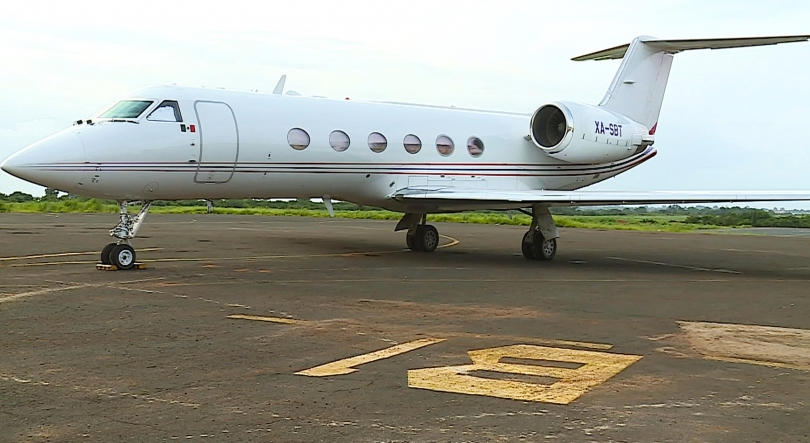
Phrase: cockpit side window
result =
(168, 111)
(126, 109)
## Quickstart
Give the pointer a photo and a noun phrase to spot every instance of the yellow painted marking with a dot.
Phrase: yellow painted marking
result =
(45, 291)
(578, 344)
(52, 263)
(70, 286)
(772, 364)
(65, 254)
(453, 242)
(287, 321)
(545, 341)
(597, 368)
(140, 280)
(346, 366)
(103, 267)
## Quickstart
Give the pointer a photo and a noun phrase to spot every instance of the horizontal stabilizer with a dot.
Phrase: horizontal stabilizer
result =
(675, 46)
(595, 198)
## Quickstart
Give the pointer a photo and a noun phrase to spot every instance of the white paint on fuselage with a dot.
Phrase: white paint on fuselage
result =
(155, 160)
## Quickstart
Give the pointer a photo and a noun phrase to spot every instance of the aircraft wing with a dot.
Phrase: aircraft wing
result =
(447, 196)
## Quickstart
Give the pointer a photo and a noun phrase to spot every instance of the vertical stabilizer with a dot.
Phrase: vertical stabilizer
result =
(637, 90)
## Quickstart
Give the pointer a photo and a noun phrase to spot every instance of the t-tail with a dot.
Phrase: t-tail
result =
(637, 90)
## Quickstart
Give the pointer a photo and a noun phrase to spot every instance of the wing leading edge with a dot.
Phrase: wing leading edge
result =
(461, 197)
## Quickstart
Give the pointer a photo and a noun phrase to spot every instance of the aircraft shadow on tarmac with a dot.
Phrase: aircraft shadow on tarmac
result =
(661, 262)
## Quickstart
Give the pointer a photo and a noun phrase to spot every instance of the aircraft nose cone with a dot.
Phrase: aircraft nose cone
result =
(40, 163)
(7, 167)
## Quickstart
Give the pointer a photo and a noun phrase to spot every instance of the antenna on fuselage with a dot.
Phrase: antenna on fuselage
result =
(327, 201)
(280, 85)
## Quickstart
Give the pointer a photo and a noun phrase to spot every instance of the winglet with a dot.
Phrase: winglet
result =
(280, 85)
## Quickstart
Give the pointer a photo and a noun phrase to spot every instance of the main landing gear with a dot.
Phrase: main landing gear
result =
(421, 237)
(121, 253)
(540, 241)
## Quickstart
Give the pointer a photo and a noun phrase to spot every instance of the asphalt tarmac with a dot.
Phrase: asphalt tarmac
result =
(247, 328)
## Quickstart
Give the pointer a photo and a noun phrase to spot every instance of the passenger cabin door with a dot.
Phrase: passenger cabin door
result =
(219, 142)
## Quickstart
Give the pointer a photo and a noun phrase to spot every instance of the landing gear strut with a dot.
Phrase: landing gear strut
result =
(121, 253)
(540, 242)
(421, 237)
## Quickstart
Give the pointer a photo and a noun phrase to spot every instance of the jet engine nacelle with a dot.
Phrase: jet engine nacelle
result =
(579, 133)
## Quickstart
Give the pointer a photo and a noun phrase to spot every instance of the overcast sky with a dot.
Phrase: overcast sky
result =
(732, 119)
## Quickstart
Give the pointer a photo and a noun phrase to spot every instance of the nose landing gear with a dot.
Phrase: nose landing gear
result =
(121, 254)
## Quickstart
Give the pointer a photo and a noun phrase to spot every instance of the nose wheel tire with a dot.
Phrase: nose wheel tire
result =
(105, 254)
(425, 238)
(537, 247)
(122, 256)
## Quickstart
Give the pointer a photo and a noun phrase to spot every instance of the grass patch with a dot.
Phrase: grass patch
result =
(667, 223)
(61, 206)
(663, 223)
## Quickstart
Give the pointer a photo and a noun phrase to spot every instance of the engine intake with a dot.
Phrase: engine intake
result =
(549, 126)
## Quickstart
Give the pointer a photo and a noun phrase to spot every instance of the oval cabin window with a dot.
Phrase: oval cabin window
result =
(475, 146)
(444, 145)
(377, 142)
(339, 141)
(412, 143)
(298, 139)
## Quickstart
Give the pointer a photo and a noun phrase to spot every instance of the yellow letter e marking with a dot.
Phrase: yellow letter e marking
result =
(597, 367)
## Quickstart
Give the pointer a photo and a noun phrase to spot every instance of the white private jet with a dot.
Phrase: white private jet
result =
(169, 142)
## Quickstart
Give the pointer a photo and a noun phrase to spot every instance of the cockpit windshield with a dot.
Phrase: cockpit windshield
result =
(126, 109)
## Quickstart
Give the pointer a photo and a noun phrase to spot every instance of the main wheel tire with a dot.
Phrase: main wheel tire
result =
(543, 248)
(122, 256)
(427, 238)
(410, 239)
(527, 247)
(105, 254)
